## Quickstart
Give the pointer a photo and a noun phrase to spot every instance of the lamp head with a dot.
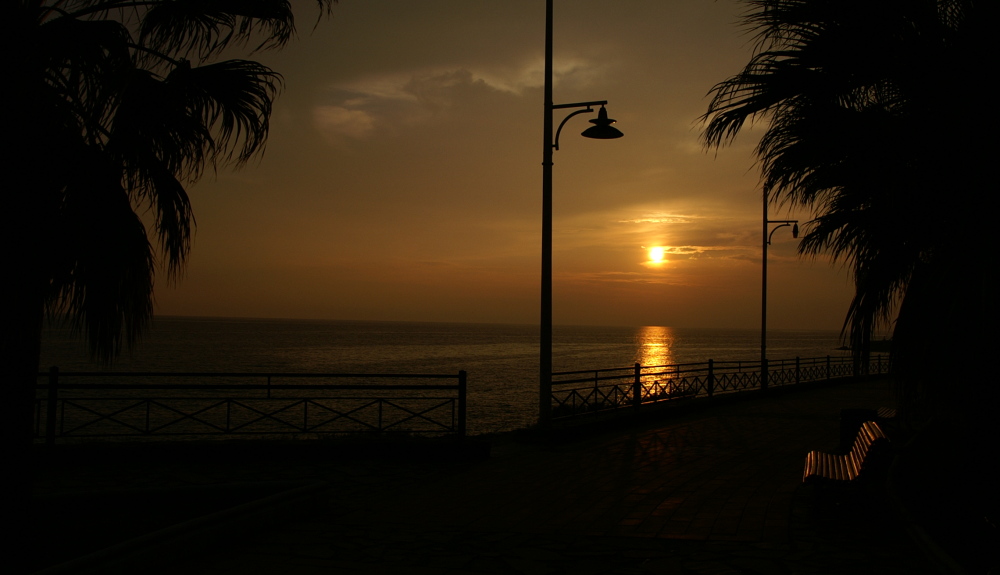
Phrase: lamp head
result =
(602, 128)
(795, 230)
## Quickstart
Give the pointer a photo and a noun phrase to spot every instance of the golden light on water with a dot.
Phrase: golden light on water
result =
(655, 343)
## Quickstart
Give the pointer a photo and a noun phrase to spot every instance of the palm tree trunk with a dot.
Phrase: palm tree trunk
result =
(21, 320)
(20, 355)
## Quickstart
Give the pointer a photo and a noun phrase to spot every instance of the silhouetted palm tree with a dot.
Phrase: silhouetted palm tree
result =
(876, 121)
(114, 107)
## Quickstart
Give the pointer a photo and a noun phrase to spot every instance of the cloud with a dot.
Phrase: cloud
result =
(512, 78)
(362, 107)
(341, 120)
(370, 105)
(618, 278)
(658, 219)
(687, 251)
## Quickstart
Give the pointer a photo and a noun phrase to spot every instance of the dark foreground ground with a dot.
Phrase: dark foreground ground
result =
(711, 491)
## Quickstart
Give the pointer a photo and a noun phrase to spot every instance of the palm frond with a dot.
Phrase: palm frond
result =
(203, 28)
(234, 99)
(873, 109)
(159, 189)
(155, 116)
(104, 278)
(115, 118)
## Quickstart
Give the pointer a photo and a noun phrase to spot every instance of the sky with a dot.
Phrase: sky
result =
(402, 177)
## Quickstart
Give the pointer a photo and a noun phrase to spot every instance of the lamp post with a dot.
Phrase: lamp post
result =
(602, 130)
(768, 233)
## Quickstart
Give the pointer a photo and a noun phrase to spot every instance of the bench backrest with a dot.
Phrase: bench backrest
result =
(869, 436)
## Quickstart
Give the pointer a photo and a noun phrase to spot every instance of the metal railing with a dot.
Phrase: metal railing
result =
(87, 405)
(589, 392)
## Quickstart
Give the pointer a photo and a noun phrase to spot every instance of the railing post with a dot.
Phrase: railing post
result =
(462, 397)
(828, 368)
(763, 374)
(637, 386)
(50, 407)
(711, 377)
(798, 373)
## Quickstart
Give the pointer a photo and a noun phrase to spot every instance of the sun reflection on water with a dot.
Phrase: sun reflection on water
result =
(655, 345)
(655, 349)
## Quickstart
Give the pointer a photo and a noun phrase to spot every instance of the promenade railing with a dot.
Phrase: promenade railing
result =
(588, 392)
(73, 406)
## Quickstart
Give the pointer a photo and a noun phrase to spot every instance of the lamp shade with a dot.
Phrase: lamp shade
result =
(602, 128)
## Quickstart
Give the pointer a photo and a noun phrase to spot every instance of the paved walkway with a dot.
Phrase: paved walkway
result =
(713, 492)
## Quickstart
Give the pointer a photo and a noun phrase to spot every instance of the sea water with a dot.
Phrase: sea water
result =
(501, 359)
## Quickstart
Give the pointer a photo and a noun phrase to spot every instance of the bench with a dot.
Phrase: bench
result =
(886, 412)
(868, 452)
(852, 418)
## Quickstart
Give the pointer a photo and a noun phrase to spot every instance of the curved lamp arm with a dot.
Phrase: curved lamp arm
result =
(555, 145)
(589, 108)
(784, 223)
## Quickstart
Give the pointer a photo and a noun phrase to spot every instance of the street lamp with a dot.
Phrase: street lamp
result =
(768, 233)
(602, 129)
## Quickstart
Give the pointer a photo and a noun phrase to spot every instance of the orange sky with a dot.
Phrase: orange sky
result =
(402, 178)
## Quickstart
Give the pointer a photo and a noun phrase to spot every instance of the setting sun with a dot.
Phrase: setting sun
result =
(656, 254)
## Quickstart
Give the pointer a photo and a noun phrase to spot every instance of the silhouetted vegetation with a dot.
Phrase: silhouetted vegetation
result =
(114, 108)
(877, 121)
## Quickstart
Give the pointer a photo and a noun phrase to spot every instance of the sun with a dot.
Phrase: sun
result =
(656, 254)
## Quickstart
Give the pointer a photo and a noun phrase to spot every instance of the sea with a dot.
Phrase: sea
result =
(501, 360)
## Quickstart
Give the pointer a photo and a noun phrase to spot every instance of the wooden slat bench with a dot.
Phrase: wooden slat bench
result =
(852, 418)
(886, 412)
(870, 445)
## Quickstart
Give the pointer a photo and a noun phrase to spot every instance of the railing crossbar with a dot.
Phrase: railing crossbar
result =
(417, 415)
(346, 415)
(100, 417)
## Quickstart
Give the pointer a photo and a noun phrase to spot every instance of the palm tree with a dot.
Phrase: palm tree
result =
(115, 107)
(876, 122)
